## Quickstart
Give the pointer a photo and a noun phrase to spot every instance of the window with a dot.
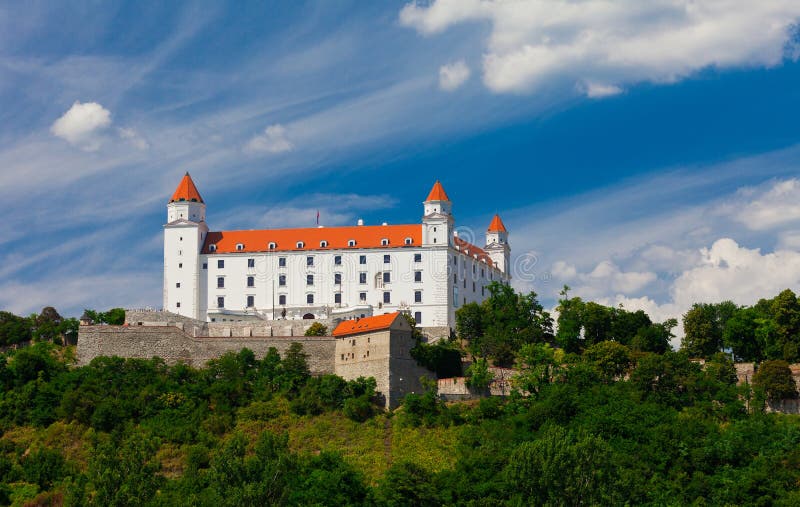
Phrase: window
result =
(251, 263)
(220, 302)
(387, 259)
(282, 280)
(351, 242)
(387, 297)
(281, 262)
(418, 296)
(408, 241)
(455, 280)
(417, 276)
(483, 273)
(310, 260)
(362, 259)
(310, 299)
(455, 261)
(180, 239)
(337, 278)
(337, 260)
(309, 279)
(465, 283)
(300, 244)
(282, 299)
(474, 269)
(417, 257)
(220, 282)
(205, 265)
(272, 245)
(178, 304)
(384, 241)
(251, 301)
(220, 263)
(180, 265)
(418, 318)
(337, 298)
(323, 244)
(387, 277)
(178, 285)
(362, 296)
(473, 286)
(180, 252)
(251, 281)
(362, 278)
(239, 246)
(212, 248)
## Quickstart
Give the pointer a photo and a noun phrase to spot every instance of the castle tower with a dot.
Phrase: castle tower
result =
(437, 219)
(184, 235)
(497, 244)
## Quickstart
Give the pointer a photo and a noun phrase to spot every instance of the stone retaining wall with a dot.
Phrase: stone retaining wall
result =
(175, 345)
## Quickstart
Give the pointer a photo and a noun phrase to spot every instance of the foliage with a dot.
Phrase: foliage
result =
(611, 359)
(317, 329)
(584, 324)
(479, 376)
(775, 378)
(503, 323)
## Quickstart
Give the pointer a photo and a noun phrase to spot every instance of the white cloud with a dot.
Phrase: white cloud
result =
(599, 91)
(273, 140)
(133, 138)
(777, 206)
(605, 278)
(453, 75)
(81, 125)
(613, 42)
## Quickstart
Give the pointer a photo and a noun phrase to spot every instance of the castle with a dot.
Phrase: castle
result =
(327, 272)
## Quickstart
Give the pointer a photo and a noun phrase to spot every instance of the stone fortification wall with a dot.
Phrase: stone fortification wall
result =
(173, 345)
(198, 328)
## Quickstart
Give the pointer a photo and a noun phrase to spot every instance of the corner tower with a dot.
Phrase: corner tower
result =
(437, 219)
(184, 235)
(497, 244)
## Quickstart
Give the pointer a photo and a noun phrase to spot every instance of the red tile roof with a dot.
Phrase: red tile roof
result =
(471, 250)
(497, 225)
(186, 191)
(376, 323)
(437, 193)
(365, 236)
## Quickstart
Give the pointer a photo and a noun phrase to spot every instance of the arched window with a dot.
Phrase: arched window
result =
(385, 241)
(300, 244)
(351, 242)
(272, 245)
(323, 244)
(212, 248)
(239, 246)
(409, 241)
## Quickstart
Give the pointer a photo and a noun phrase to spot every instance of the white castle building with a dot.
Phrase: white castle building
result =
(327, 272)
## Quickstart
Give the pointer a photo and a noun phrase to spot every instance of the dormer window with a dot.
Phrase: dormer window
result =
(240, 246)
(272, 245)
(408, 241)
(212, 248)
(323, 244)
(351, 242)
(384, 241)
(300, 244)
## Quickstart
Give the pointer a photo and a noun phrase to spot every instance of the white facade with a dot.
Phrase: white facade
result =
(234, 275)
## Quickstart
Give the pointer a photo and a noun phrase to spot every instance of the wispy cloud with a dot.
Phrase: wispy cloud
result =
(453, 75)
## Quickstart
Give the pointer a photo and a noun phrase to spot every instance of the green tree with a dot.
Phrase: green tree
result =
(740, 335)
(124, 473)
(14, 329)
(703, 328)
(317, 329)
(470, 322)
(562, 468)
(775, 378)
(407, 483)
(611, 359)
(478, 374)
(294, 368)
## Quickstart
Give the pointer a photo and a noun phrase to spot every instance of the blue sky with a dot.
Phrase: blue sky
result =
(644, 153)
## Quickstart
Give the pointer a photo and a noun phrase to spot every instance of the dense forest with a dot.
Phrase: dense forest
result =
(610, 415)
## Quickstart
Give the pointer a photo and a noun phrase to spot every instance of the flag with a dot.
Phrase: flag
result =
(317, 217)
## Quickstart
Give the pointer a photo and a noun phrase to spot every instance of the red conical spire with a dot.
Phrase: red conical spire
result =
(437, 193)
(186, 191)
(497, 225)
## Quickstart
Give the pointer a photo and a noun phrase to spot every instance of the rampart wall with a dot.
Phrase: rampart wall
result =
(173, 344)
